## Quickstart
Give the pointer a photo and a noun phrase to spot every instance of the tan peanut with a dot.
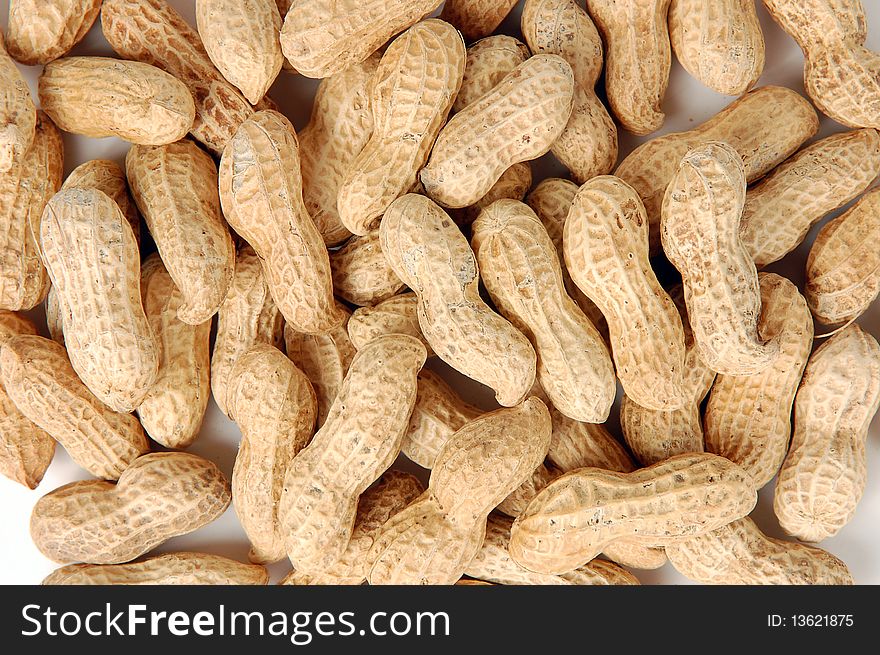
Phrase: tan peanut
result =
(261, 194)
(174, 407)
(394, 491)
(361, 275)
(513, 184)
(39, 379)
(685, 496)
(357, 443)
(323, 37)
(54, 318)
(24, 192)
(823, 477)
(396, 315)
(843, 268)
(517, 500)
(765, 126)
(520, 267)
(241, 38)
(175, 188)
(700, 235)
(434, 539)
(151, 31)
(638, 59)
(740, 554)
(324, 358)
(719, 42)
(107, 176)
(840, 73)
(411, 95)
(493, 563)
(489, 60)
(476, 18)
(518, 120)
(100, 97)
(168, 569)
(90, 521)
(431, 256)
(275, 408)
(748, 417)
(25, 450)
(42, 30)
(587, 146)
(606, 253)
(340, 126)
(18, 116)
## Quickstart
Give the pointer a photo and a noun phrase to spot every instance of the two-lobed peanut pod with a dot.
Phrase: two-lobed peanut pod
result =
(42, 30)
(397, 315)
(361, 274)
(107, 176)
(476, 18)
(489, 60)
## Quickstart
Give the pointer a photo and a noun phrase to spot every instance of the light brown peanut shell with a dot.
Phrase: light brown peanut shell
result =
(748, 417)
(488, 61)
(42, 30)
(518, 499)
(168, 569)
(432, 257)
(396, 315)
(361, 275)
(91, 521)
(54, 318)
(476, 18)
(39, 379)
(513, 184)
(107, 176)
(18, 116)
(824, 475)
(575, 445)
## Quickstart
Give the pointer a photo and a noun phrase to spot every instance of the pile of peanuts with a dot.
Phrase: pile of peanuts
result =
(402, 225)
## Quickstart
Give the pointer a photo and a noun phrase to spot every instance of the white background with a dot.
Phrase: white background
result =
(687, 104)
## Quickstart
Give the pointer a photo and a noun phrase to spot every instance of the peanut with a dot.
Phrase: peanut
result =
(39, 379)
(685, 496)
(107, 176)
(843, 268)
(513, 184)
(357, 443)
(431, 256)
(100, 97)
(361, 275)
(587, 146)
(275, 409)
(516, 121)
(489, 60)
(261, 194)
(42, 30)
(606, 252)
(823, 477)
(411, 95)
(18, 116)
(748, 417)
(720, 43)
(740, 554)
(168, 569)
(517, 500)
(175, 188)
(396, 315)
(91, 521)
(323, 37)
(476, 18)
(54, 318)
(700, 235)
(436, 537)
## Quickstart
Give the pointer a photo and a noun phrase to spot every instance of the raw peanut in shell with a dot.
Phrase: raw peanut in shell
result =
(823, 477)
(261, 194)
(168, 569)
(516, 121)
(24, 192)
(396, 315)
(700, 235)
(740, 554)
(513, 184)
(518, 499)
(339, 128)
(476, 18)
(587, 146)
(520, 267)
(18, 116)
(38, 378)
(748, 417)
(100, 97)
(91, 521)
(432, 257)
(638, 59)
(151, 31)
(92, 258)
(824, 176)
(411, 95)
(322, 37)
(843, 268)
(107, 176)
(361, 275)
(242, 39)
(174, 407)
(394, 491)
(683, 497)
(42, 30)
(765, 126)
(275, 409)
(175, 187)
(434, 539)
(357, 443)
(719, 42)
(488, 61)
(54, 318)
(606, 253)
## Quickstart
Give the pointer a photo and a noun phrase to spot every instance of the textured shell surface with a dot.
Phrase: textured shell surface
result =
(107, 176)
(18, 116)
(488, 61)
(42, 30)
(361, 275)
(476, 18)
